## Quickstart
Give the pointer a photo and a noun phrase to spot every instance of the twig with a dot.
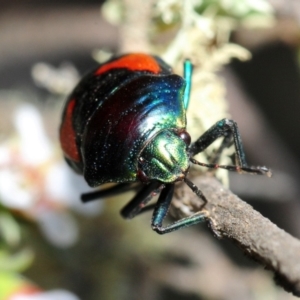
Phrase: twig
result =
(135, 26)
(230, 217)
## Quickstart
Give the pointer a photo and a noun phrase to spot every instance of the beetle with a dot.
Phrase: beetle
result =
(125, 122)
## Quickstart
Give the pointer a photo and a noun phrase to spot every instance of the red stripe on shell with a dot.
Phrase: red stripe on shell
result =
(68, 135)
(133, 62)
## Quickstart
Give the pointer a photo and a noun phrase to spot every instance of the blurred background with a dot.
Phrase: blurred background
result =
(246, 57)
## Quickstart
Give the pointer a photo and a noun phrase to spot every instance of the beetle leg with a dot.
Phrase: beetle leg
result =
(222, 128)
(136, 205)
(161, 210)
(225, 128)
(112, 191)
(226, 143)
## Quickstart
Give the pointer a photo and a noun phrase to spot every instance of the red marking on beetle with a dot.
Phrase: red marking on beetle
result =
(67, 134)
(133, 62)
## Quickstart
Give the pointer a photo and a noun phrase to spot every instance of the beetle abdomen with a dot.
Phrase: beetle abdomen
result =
(114, 111)
(124, 123)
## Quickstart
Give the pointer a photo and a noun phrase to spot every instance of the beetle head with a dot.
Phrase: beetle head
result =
(165, 157)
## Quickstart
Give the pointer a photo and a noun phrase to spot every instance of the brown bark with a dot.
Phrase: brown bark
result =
(230, 217)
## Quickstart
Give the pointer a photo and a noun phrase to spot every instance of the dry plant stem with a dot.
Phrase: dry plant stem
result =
(135, 27)
(230, 217)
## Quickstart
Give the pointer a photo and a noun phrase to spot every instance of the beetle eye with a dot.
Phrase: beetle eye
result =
(184, 135)
(141, 175)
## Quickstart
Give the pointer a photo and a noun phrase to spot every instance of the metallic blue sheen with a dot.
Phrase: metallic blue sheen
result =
(187, 74)
(126, 121)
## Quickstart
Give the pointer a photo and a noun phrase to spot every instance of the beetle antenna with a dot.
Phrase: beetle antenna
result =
(239, 169)
(196, 190)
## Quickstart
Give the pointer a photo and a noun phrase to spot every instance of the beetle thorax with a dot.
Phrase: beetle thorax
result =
(164, 158)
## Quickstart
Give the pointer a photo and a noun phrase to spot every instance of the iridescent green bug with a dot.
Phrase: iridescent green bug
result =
(126, 122)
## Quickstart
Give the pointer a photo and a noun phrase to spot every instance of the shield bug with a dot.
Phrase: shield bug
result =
(126, 122)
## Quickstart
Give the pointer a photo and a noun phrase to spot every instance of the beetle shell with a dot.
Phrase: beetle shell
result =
(115, 111)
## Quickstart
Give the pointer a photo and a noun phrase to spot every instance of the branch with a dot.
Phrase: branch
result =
(230, 217)
(135, 27)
